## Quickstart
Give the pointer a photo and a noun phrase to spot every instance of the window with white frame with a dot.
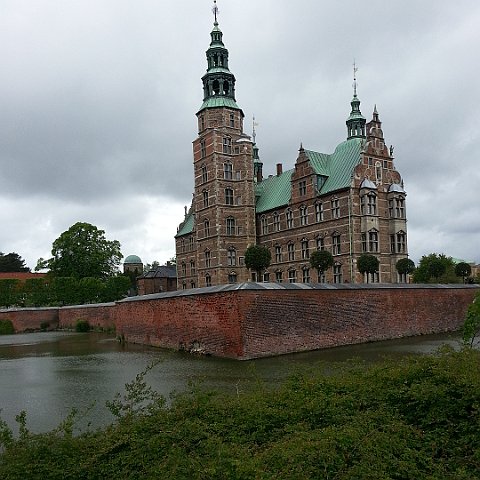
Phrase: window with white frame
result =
(303, 215)
(305, 252)
(289, 217)
(230, 224)
(232, 120)
(184, 269)
(229, 196)
(320, 243)
(231, 257)
(208, 259)
(401, 242)
(306, 275)
(337, 273)
(227, 171)
(264, 224)
(232, 277)
(371, 204)
(279, 276)
(373, 241)
(291, 252)
(302, 188)
(399, 207)
(278, 253)
(292, 276)
(336, 250)
(335, 208)
(276, 222)
(364, 242)
(227, 145)
(192, 267)
(319, 212)
(266, 276)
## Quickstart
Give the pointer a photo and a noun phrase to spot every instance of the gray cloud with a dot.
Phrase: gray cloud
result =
(98, 103)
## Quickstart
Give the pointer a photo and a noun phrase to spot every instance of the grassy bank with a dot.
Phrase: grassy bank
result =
(414, 419)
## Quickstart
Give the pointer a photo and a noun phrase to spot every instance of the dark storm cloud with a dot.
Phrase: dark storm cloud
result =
(98, 102)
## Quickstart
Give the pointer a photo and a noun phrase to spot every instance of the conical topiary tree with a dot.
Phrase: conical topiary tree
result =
(322, 260)
(257, 258)
(368, 264)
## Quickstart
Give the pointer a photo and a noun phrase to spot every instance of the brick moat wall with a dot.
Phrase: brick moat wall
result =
(259, 320)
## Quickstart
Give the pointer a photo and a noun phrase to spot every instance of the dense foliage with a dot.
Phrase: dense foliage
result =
(12, 262)
(405, 266)
(368, 264)
(463, 269)
(435, 268)
(322, 260)
(257, 258)
(83, 251)
(418, 418)
(47, 291)
(471, 326)
(6, 327)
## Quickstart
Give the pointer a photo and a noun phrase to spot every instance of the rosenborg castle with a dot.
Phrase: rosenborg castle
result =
(350, 202)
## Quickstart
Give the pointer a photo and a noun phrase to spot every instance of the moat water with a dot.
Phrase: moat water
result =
(48, 374)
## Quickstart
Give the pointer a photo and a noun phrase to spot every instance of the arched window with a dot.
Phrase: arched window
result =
(208, 259)
(336, 250)
(231, 257)
(319, 212)
(373, 240)
(192, 267)
(232, 277)
(227, 145)
(184, 269)
(205, 198)
(230, 226)
(337, 273)
(289, 217)
(305, 252)
(227, 171)
(264, 224)
(303, 215)
(335, 208)
(229, 196)
(291, 251)
(208, 280)
(378, 172)
(292, 276)
(305, 275)
(276, 222)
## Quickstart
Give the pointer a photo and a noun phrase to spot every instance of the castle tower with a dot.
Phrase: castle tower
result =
(356, 121)
(223, 206)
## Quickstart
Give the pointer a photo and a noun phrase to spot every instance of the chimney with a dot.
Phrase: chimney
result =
(279, 169)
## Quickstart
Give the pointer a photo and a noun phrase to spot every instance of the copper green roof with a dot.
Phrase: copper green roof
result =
(275, 191)
(220, 101)
(187, 225)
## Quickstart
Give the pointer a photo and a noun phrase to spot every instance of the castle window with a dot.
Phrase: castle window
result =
(371, 204)
(227, 171)
(202, 122)
(208, 259)
(264, 225)
(306, 275)
(230, 224)
(400, 207)
(203, 148)
(229, 196)
(279, 276)
(192, 267)
(305, 253)
(303, 215)
(266, 277)
(238, 175)
(302, 188)
(227, 145)
(378, 172)
(184, 285)
(208, 280)
(241, 261)
(206, 228)
(322, 277)
(336, 244)
(231, 257)
(289, 217)
(371, 277)
(184, 269)
(319, 212)
(320, 243)
(401, 242)
(190, 241)
(205, 198)
(204, 173)
(373, 241)
(232, 120)
(335, 208)
(291, 252)
(278, 253)
(232, 277)
(392, 243)
(276, 222)
(337, 273)
(192, 284)
(292, 276)
(364, 242)
(182, 245)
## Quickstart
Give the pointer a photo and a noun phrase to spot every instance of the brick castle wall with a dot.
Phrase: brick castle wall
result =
(256, 320)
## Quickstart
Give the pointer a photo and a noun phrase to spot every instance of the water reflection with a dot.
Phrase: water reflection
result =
(47, 374)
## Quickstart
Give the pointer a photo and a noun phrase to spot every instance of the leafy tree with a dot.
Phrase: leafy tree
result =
(10, 292)
(405, 266)
(368, 264)
(12, 262)
(91, 290)
(257, 258)
(83, 251)
(37, 292)
(116, 288)
(65, 290)
(463, 270)
(322, 260)
(471, 326)
(436, 268)
(150, 266)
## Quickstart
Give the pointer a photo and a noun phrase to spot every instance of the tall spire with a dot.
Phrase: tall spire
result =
(257, 163)
(356, 121)
(218, 82)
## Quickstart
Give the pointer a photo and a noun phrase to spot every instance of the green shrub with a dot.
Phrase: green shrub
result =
(82, 326)
(6, 327)
(44, 326)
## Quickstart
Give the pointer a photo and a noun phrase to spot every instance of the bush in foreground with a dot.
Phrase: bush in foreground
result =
(6, 327)
(414, 419)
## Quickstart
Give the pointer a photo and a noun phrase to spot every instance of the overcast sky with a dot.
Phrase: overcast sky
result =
(98, 101)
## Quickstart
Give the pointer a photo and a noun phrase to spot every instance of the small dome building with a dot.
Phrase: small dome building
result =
(133, 264)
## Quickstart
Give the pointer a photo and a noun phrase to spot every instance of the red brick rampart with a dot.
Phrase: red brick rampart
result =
(254, 320)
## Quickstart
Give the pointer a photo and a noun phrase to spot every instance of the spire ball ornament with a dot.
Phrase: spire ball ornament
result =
(215, 10)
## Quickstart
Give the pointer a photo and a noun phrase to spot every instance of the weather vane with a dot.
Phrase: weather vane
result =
(215, 10)
(355, 68)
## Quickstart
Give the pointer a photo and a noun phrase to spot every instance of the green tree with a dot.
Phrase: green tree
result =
(83, 251)
(322, 260)
(37, 292)
(405, 266)
(91, 290)
(12, 262)
(368, 264)
(65, 290)
(150, 266)
(116, 288)
(10, 292)
(435, 268)
(471, 326)
(463, 270)
(257, 258)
